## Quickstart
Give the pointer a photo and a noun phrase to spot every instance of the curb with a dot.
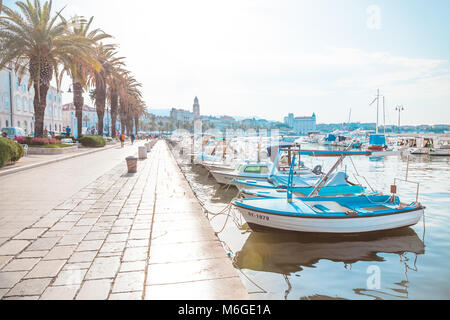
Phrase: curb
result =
(35, 165)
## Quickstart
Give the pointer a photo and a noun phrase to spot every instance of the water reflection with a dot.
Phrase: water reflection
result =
(287, 253)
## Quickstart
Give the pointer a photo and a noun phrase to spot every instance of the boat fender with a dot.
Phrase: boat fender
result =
(351, 213)
(317, 170)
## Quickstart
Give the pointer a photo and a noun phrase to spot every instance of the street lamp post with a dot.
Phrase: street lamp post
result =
(399, 109)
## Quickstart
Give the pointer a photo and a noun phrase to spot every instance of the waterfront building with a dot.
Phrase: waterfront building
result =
(196, 109)
(301, 125)
(16, 104)
(181, 115)
(289, 120)
(89, 119)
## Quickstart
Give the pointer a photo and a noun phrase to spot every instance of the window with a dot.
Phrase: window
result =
(7, 123)
(253, 169)
(25, 126)
(18, 124)
(24, 104)
(16, 100)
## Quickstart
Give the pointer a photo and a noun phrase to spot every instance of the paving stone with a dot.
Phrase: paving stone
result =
(4, 260)
(70, 277)
(137, 243)
(9, 279)
(46, 269)
(119, 237)
(98, 235)
(63, 226)
(60, 293)
(103, 268)
(60, 252)
(113, 247)
(122, 229)
(89, 245)
(22, 298)
(139, 234)
(30, 234)
(13, 247)
(29, 287)
(87, 222)
(77, 266)
(21, 264)
(33, 254)
(71, 239)
(3, 292)
(137, 295)
(43, 244)
(80, 230)
(129, 281)
(132, 266)
(190, 271)
(217, 289)
(95, 290)
(85, 256)
(135, 254)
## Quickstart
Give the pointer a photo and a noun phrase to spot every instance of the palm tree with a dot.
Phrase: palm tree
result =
(36, 42)
(82, 74)
(130, 98)
(106, 55)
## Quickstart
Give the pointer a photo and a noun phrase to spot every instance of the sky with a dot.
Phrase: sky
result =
(269, 58)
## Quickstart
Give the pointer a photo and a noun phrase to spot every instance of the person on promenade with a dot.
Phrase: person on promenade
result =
(132, 138)
(4, 135)
(122, 140)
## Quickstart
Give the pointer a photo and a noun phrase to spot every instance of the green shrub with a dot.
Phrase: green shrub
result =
(65, 137)
(10, 151)
(92, 141)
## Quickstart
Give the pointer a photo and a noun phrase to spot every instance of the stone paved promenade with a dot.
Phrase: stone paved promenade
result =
(122, 236)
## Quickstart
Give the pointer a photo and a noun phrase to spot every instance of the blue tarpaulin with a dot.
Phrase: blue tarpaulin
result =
(377, 140)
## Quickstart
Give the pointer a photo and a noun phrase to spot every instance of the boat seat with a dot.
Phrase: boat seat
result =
(331, 206)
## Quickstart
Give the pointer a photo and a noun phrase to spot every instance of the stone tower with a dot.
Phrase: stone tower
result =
(196, 109)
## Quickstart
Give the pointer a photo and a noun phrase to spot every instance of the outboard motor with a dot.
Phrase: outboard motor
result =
(317, 170)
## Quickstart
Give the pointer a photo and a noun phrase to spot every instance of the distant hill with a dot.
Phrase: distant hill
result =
(160, 112)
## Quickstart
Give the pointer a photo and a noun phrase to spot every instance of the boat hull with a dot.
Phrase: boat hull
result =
(228, 177)
(331, 225)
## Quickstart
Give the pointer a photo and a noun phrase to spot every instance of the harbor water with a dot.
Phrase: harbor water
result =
(407, 263)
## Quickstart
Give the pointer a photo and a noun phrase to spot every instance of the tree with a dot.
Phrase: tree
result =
(36, 42)
(106, 55)
(83, 74)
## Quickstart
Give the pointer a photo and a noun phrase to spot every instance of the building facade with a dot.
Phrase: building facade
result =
(185, 115)
(305, 125)
(17, 109)
(89, 119)
(301, 125)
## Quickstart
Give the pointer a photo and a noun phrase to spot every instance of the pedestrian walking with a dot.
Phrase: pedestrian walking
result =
(132, 138)
(122, 140)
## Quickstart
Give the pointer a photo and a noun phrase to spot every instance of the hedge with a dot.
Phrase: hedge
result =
(92, 141)
(10, 151)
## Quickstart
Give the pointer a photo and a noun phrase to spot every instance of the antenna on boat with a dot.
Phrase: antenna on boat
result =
(290, 180)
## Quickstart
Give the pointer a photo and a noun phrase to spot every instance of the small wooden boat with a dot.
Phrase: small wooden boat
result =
(338, 214)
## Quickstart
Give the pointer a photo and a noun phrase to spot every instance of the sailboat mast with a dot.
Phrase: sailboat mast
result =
(378, 106)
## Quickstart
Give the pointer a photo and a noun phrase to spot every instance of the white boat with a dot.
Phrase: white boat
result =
(257, 171)
(338, 214)
(312, 216)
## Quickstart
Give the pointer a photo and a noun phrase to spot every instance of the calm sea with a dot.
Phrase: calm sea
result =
(408, 263)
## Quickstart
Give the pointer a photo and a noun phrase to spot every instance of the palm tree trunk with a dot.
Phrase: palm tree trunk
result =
(100, 103)
(114, 111)
(41, 73)
(0, 6)
(136, 124)
(78, 102)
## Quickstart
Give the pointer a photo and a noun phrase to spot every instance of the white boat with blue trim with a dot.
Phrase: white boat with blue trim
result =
(330, 214)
